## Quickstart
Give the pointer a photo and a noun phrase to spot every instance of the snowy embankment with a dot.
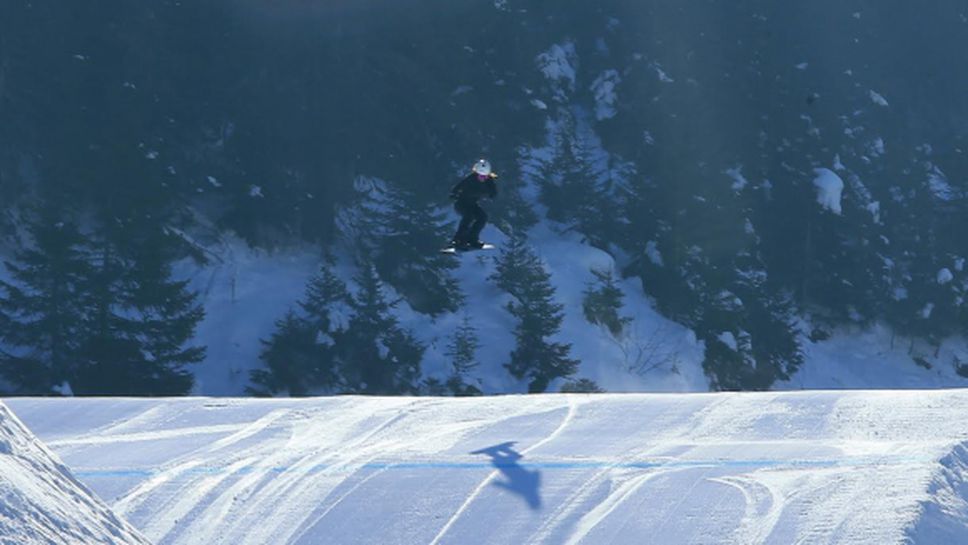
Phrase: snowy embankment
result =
(42, 504)
(800, 467)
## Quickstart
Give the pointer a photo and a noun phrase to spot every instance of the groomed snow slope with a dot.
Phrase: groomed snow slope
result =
(847, 467)
(41, 504)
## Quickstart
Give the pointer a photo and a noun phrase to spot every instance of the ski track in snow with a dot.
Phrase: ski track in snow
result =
(494, 474)
(308, 525)
(194, 460)
(258, 492)
(771, 468)
(763, 508)
(296, 485)
(604, 508)
(628, 483)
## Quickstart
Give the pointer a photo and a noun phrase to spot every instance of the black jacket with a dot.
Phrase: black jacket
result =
(470, 189)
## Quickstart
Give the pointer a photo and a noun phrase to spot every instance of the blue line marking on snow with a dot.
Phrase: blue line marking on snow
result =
(536, 465)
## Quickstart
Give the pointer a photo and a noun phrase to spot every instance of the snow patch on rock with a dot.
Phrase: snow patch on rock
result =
(939, 186)
(878, 99)
(605, 95)
(739, 181)
(830, 188)
(559, 64)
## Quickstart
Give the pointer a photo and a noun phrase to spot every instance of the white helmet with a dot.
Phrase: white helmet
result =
(482, 167)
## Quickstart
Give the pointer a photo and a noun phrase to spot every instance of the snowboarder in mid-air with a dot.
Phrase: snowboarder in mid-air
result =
(477, 185)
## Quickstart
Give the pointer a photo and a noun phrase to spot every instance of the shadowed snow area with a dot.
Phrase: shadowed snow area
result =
(42, 504)
(849, 467)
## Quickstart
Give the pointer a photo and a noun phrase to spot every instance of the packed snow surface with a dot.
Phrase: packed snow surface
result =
(843, 467)
(42, 504)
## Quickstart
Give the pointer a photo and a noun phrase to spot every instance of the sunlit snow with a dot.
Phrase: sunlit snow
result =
(845, 468)
(40, 501)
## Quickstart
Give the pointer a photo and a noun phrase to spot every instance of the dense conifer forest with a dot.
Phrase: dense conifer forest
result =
(769, 171)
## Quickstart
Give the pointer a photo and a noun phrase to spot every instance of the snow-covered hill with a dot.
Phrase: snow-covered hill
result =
(245, 291)
(40, 501)
(883, 467)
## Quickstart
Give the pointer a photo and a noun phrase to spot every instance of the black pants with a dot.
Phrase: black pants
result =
(472, 222)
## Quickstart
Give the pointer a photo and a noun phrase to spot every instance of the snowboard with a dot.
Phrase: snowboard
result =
(452, 250)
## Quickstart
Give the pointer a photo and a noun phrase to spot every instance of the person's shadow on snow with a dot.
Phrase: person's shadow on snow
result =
(519, 480)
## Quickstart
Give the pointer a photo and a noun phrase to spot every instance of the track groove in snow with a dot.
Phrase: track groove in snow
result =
(774, 468)
(494, 474)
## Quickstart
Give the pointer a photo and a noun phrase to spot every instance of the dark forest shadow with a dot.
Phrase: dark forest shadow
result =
(518, 480)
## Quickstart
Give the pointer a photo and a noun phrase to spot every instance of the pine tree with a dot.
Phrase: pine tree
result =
(167, 314)
(585, 186)
(402, 235)
(926, 296)
(603, 300)
(327, 302)
(139, 320)
(381, 357)
(749, 330)
(521, 273)
(841, 265)
(303, 355)
(462, 350)
(563, 186)
(42, 309)
(582, 386)
(410, 258)
(932, 303)
(680, 283)
(289, 356)
(108, 352)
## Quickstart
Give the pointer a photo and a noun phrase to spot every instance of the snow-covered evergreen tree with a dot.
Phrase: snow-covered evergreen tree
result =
(291, 356)
(535, 357)
(750, 332)
(563, 188)
(402, 236)
(462, 351)
(303, 355)
(382, 358)
(923, 263)
(603, 301)
(585, 187)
